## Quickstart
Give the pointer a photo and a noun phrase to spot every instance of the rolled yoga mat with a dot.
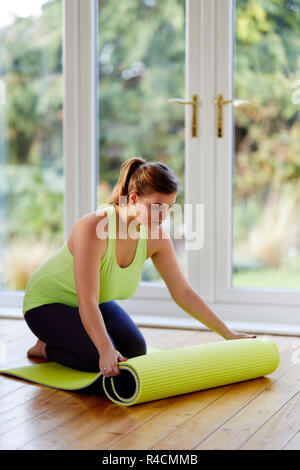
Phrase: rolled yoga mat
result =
(161, 374)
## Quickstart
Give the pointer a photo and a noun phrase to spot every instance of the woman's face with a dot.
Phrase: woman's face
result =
(154, 209)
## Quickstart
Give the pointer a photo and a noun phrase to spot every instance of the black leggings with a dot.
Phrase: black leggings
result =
(60, 327)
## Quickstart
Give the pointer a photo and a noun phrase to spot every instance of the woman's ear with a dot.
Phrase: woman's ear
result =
(134, 199)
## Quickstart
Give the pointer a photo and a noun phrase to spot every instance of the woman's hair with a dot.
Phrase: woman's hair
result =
(145, 178)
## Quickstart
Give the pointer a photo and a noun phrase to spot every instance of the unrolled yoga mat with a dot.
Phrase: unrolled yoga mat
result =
(161, 374)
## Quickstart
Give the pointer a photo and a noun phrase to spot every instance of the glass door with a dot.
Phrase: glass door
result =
(31, 148)
(258, 152)
(141, 59)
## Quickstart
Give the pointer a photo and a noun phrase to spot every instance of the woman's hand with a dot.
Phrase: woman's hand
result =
(235, 335)
(108, 361)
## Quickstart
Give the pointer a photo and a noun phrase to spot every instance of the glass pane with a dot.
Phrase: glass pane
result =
(31, 154)
(141, 48)
(266, 229)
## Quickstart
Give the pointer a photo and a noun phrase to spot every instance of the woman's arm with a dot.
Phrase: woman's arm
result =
(165, 261)
(195, 306)
(87, 253)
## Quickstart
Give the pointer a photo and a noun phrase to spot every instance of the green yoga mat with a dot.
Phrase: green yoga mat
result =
(161, 374)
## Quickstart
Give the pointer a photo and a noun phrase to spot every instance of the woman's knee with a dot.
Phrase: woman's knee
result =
(127, 336)
(91, 356)
(136, 347)
(90, 361)
(33, 320)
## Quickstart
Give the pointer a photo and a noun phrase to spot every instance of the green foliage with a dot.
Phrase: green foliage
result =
(33, 203)
(267, 130)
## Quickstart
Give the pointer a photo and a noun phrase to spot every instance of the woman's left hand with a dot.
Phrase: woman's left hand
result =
(235, 335)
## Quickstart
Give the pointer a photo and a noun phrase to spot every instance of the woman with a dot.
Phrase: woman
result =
(69, 302)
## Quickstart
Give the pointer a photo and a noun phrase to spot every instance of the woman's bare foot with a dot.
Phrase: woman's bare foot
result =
(38, 350)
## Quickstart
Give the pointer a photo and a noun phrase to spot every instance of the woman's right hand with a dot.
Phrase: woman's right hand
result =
(109, 358)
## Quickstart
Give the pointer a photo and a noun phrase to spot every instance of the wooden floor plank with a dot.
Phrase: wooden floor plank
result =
(50, 419)
(246, 422)
(95, 421)
(279, 429)
(294, 442)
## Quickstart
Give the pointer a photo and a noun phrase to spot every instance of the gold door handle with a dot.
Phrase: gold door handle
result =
(220, 102)
(194, 104)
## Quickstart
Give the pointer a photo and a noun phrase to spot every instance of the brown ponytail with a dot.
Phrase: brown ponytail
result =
(145, 178)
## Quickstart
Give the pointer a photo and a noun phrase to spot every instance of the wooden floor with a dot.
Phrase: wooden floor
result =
(261, 413)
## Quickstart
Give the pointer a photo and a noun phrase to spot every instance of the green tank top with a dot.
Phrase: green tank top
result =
(53, 281)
